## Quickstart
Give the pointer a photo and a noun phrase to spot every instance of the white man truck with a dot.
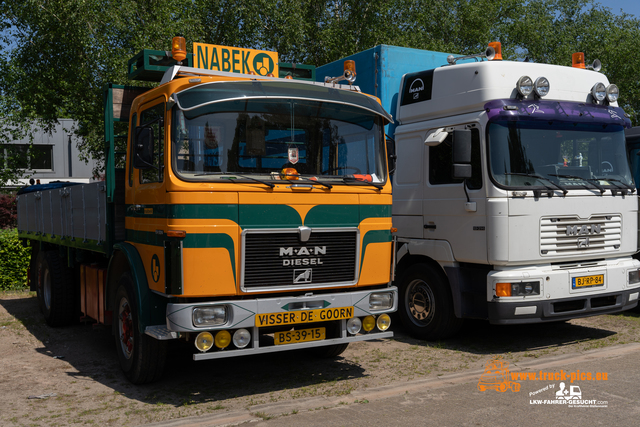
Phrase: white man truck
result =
(512, 194)
(244, 213)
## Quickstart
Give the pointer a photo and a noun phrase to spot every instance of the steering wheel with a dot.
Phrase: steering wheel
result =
(353, 168)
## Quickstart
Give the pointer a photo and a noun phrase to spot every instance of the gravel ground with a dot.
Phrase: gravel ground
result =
(71, 376)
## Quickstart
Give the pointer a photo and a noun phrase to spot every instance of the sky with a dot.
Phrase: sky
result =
(629, 6)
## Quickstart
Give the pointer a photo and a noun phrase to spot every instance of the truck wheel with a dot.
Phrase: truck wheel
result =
(54, 289)
(426, 306)
(330, 351)
(142, 358)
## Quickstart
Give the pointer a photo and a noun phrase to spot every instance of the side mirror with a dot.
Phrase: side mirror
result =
(143, 150)
(391, 155)
(461, 152)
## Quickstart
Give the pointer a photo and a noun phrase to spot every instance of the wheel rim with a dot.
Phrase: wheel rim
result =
(420, 302)
(125, 328)
(46, 288)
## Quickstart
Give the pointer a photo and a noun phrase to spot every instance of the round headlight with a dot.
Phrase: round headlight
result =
(612, 93)
(541, 86)
(524, 85)
(354, 325)
(204, 341)
(369, 323)
(241, 338)
(599, 91)
(383, 322)
(223, 339)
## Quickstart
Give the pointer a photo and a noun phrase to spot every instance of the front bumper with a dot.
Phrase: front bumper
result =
(502, 313)
(247, 314)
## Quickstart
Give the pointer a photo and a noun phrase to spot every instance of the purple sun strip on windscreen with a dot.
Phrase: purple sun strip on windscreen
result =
(513, 109)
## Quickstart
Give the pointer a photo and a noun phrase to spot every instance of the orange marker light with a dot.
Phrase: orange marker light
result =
(179, 48)
(577, 60)
(288, 76)
(497, 46)
(176, 233)
(350, 65)
(289, 173)
(503, 289)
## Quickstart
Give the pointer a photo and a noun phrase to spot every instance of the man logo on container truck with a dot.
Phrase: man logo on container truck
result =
(584, 231)
(416, 87)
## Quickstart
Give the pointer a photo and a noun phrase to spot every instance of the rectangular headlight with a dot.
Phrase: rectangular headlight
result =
(381, 301)
(519, 289)
(634, 276)
(210, 316)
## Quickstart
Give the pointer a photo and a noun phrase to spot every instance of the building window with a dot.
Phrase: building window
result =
(38, 158)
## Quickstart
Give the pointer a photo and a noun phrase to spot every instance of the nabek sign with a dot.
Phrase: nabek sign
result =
(235, 59)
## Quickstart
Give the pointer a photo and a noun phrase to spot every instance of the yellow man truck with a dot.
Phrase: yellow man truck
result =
(248, 214)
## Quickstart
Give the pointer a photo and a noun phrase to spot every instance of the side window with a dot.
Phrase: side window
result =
(441, 163)
(132, 128)
(154, 118)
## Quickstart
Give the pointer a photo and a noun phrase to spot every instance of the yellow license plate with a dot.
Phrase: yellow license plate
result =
(303, 316)
(587, 281)
(301, 335)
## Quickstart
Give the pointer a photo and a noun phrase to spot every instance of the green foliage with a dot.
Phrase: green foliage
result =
(14, 261)
(56, 56)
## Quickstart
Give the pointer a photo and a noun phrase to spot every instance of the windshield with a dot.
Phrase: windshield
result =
(261, 137)
(545, 153)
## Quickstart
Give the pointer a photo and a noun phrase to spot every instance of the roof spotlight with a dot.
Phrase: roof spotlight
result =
(524, 85)
(612, 93)
(541, 86)
(599, 91)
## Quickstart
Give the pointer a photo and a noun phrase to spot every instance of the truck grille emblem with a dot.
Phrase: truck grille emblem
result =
(302, 275)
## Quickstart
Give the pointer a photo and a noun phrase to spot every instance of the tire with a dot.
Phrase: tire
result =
(142, 358)
(54, 289)
(426, 306)
(329, 351)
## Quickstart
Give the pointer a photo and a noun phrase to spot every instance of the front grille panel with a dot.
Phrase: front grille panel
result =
(279, 259)
(577, 236)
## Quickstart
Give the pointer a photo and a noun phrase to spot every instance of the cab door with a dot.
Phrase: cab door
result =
(448, 214)
(147, 206)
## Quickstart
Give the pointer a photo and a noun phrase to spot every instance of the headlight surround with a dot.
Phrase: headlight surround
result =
(517, 289)
(524, 86)
(599, 92)
(612, 93)
(241, 338)
(208, 316)
(383, 322)
(541, 86)
(354, 325)
(381, 301)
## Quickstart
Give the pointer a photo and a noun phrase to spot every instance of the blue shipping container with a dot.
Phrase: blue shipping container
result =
(379, 71)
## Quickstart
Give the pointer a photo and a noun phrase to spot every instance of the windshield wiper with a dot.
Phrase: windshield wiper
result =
(591, 181)
(624, 187)
(532, 175)
(233, 176)
(347, 179)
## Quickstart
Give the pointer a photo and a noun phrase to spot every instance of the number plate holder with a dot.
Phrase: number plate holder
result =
(300, 335)
(581, 282)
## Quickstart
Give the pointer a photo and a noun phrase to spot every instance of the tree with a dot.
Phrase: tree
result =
(56, 56)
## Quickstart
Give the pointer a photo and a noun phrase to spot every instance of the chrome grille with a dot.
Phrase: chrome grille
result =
(576, 236)
(279, 259)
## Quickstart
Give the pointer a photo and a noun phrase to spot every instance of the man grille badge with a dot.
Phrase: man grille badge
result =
(302, 275)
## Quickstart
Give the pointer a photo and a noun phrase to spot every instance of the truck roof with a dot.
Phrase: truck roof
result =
(465, 88)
